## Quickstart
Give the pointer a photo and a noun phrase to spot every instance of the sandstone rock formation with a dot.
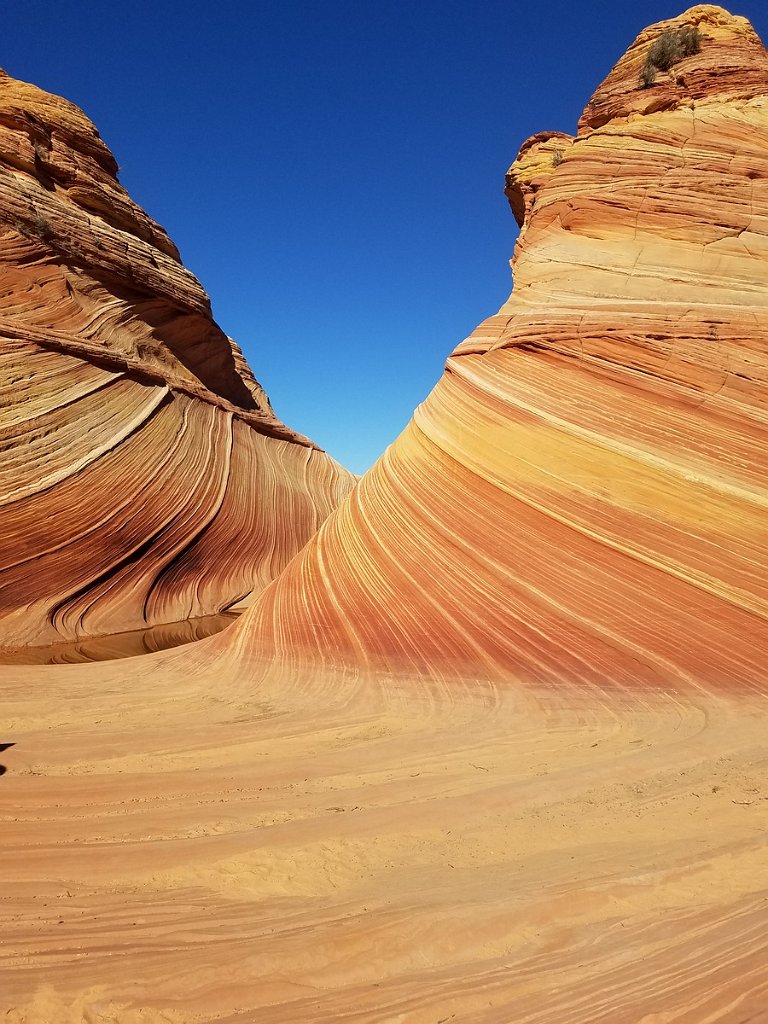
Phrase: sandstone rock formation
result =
(584, 487)
(491, 749)
(144, 476)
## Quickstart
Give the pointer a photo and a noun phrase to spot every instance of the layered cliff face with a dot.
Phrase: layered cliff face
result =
(145, 478)
(583, 496)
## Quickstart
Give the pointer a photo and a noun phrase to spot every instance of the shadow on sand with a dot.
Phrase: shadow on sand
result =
(4, 746)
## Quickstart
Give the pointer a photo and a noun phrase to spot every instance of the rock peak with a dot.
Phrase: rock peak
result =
(67, 219)
(702, 54)
(584, 485)
(145, 477)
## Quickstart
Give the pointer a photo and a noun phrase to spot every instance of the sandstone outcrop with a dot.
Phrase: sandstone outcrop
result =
(585, 486)
(144, 477)
(491, 749)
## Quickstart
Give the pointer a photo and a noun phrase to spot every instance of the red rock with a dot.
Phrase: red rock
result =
(145, 478)
(583, 495)
(510, 827)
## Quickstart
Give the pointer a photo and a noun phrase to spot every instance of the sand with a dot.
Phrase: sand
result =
(251, 844)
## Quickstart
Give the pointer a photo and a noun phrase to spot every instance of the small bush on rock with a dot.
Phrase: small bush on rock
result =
(37, 227)
(690, 40)
(671, 47)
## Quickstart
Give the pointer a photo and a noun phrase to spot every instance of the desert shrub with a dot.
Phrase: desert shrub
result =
(41, 227)
(664, 51)
(648, 74)
(671, 47)
(557, 157)
(37, 227)
(690, 40)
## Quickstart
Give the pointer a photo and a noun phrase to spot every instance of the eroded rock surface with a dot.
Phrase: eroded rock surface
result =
(491, 750)
(585, 486)
(144, 477)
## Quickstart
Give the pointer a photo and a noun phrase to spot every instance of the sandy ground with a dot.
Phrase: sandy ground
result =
(251, 844)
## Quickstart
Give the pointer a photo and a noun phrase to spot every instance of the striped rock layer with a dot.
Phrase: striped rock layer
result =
(144, 477)
(583, 496)
(214, 833)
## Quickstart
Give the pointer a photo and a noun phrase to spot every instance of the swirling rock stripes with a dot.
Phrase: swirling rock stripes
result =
(491, 748)
(584, 486)
(122, 504)
(144, 477)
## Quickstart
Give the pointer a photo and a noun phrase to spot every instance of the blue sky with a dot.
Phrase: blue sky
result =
(332, 170)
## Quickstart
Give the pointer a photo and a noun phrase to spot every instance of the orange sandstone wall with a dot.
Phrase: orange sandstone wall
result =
(583, 496)
(144, 477)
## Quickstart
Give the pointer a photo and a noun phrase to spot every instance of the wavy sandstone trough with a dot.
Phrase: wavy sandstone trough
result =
(491, 749)
(581, 489)
(145, 478)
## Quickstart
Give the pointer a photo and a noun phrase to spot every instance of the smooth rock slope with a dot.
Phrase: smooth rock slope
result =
(144, 477)
(585, 487)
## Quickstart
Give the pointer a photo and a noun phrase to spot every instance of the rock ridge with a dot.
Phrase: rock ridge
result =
(145, 478)
(581, 489)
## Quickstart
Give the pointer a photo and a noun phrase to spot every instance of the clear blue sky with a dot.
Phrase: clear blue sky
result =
(332, 170)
